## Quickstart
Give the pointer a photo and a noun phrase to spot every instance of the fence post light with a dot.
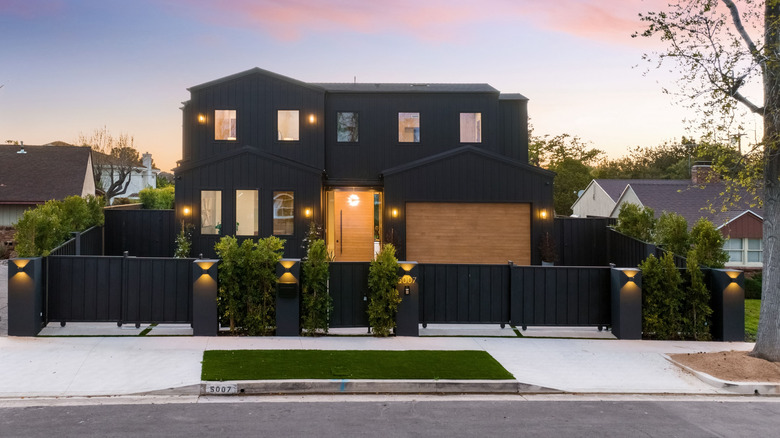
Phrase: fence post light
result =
(205, 282)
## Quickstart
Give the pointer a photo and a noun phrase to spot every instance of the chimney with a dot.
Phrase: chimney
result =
(703, 173)
(21, 148)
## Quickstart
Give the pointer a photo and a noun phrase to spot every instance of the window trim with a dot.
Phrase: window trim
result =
(744, 252)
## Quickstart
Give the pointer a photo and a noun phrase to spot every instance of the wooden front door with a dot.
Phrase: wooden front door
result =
(352, 225)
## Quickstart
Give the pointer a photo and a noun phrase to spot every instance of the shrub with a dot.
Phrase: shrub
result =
(708, 244)
(661, 297)
(184, 241)
(317, 303)
(46, 226)
(247, 277)
(753, 285)
(696, 307)
(382, 282)
(157, 199)
(671, 233)
(635, 222)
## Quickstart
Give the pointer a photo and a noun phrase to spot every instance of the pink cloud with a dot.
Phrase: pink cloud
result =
(424, 19)
(28, 9)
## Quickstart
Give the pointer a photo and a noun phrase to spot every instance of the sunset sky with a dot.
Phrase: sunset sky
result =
(71, 66)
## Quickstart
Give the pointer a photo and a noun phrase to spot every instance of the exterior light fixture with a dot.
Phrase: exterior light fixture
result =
(394, 212)
(543, 214)
(186, 211)
(285, 275)
(631, 273)
(353, 200)
(201, 119)
(733, 274)
(312, 119)
(307, 212)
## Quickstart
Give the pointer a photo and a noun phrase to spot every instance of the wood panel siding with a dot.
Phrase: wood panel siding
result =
(746, 226)
(354, 227)
(483, 233)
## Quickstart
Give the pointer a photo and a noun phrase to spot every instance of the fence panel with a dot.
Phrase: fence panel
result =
(92, 241)
(142, 233)
(563, 296)
(348, 287)
(625, 251)
(158, 290)
(67, 248)
(581, 241)
(463, 293)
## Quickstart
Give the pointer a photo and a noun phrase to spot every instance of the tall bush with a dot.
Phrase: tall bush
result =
(696, 302)
(247, 277)
(382, 281)
(317, 303)
(708, 244)
(636, 222)
(48, 225)
(661, 297)
(671, 233)
(157, 199)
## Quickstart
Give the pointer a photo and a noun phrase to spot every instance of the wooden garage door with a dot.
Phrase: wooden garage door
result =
(489, 233)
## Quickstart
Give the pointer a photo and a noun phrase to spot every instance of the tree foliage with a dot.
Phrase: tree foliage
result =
(671, 233)
(636, 222)
(113, 160)
(157, 199)
(720, 48)
(317, 302)
(384, 298)
(571, 176)
(48, 225)
(708, 244)
(696, 302)
(661, 298)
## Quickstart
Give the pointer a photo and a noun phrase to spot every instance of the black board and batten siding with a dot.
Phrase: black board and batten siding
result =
(142, 233)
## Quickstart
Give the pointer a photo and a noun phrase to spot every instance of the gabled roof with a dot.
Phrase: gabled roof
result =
(405, 88)
(42, 173)
(253, 71)
(184, 166)
(466, 150)
(615, 187)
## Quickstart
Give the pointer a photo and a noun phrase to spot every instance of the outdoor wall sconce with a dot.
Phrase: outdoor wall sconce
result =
(205, 266)
(186, 211)
(543, 213)
(202, 119)
(307, 212)
(631, 273)
(733, 274)
(394, 212)
(284, 274)
(21, 266)
(312, 119)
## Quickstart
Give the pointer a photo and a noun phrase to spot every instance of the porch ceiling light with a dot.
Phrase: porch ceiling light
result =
(353, 200)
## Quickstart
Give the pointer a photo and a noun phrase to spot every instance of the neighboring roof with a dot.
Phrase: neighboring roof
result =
(405, 88)
(42, 173)
(615, 187)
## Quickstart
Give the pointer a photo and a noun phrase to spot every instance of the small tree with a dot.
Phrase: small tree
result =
(708, 244)
(40, 230)
(382, 281)
(696, 307)
(113, 160)
(636, 222)
(671, 233)
(317, 303)
(661, 297)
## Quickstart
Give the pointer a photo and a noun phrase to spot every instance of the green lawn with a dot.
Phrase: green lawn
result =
(752, 308)
(220, 365)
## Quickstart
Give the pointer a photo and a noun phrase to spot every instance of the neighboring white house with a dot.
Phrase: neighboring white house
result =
(141, 177)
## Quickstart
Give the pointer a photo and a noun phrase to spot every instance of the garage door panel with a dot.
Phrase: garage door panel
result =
(487, 233)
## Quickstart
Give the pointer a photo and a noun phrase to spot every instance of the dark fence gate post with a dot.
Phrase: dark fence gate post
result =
(626, 303)
(204, 298)
(727, 287)
(288, 303)
(407, 320)
(25, 296)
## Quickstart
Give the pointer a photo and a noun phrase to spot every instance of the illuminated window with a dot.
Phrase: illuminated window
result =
(471, 127)
(347, 127)
(247, 217)
(225, 125)
(284, 213)
(409, 127)
(210, 212)
(288, 126)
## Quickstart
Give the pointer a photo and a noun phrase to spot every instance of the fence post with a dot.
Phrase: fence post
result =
(25, 296)
(204, 297)
(407, 320)
(727, 287)
(76, 236)
(626, 303)
(288, 292)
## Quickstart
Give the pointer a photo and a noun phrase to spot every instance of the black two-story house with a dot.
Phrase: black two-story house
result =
(440, 170)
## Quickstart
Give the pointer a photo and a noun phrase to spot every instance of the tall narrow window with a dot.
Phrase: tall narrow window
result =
(284, 213)
(409, 127)
(288, 125)
(225, 125)
(210, 212)
(755, 251)
(247, 217)
(347, 127)
(471, 127)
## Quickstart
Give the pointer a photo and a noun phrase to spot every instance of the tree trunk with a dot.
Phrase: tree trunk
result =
(768, 336)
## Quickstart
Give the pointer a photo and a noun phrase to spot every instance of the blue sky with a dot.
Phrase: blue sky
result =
(70, 67)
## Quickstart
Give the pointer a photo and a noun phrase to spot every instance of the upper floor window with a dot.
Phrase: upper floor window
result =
(284, 213)
(744, 250)
(225, 125)
(210, 212)
(247, 217)
(288, 126)
(347, 127)
(471, 127)
(409, 127)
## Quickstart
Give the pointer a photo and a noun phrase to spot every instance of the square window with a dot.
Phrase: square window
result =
(347, 127)
(210, 212)
(284, 213)
(288, 126)
(225, 125)
(409, 127)
(247, 217)
(471, 127)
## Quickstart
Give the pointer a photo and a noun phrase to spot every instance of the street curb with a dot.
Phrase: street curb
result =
(756, 388)
(303, 386)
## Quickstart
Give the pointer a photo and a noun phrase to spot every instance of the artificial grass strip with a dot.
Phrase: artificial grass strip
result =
(220, 365)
